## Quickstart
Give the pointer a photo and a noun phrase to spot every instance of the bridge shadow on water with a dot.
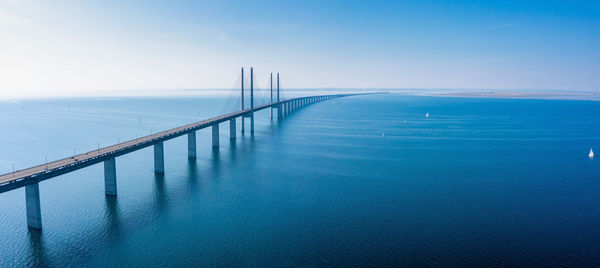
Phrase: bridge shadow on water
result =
(193, 176)
(160, 196)
(113, 218)
(38, 252)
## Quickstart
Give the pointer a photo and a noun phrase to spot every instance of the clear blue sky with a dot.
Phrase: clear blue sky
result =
(76, 46)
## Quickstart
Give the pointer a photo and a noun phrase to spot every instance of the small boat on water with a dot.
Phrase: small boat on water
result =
(383, 134)
(427, 115)
(591, 155)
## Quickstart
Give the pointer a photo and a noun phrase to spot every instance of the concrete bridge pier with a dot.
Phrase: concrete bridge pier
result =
(279, 115)
(252, 123)
(110, 177)
(159, 158)
(232, 134)
(215, 135)
(192, 144)
(32, 204)
(242, 121)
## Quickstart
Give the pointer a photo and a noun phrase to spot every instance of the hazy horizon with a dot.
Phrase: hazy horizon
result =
(298, 92)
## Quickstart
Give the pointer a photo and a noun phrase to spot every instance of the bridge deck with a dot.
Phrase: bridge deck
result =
(38, 173)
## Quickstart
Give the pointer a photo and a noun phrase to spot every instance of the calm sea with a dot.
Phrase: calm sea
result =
(365, 180)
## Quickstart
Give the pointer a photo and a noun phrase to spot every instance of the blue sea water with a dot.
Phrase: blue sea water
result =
(480, 182)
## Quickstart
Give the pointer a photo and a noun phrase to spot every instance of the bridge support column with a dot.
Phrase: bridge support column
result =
(32, 204)
(282, 108)
(242, 121)
(192, 144)
(159, 158)
(110, 177)
(251, 123)
(215, 135)
(232, 134)
(279, 115)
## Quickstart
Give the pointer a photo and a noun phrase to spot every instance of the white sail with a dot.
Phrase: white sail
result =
(591, 153)
(427, 115)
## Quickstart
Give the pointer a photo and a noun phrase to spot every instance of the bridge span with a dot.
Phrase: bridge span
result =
(31, 177)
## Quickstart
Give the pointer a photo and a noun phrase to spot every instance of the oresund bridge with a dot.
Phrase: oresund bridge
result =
(31, 177)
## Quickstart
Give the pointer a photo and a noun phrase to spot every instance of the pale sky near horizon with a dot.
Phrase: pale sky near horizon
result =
(74, 47)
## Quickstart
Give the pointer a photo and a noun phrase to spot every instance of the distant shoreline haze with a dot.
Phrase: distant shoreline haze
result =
(264, 93)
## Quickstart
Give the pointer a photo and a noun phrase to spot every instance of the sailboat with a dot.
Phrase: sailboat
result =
(591, 155)
(383, 134)
(427, 115)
